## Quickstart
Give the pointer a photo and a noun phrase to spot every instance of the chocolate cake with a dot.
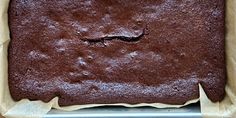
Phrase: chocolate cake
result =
(116, 51)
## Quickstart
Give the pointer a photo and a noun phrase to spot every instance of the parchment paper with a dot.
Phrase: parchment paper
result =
(29, 109)
(226, 108)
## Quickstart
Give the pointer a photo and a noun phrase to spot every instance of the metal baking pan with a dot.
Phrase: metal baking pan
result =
(191, 111)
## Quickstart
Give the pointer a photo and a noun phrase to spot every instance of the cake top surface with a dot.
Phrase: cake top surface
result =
(102, 49)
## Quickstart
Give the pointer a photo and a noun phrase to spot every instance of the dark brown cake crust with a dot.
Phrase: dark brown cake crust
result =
(116, 51)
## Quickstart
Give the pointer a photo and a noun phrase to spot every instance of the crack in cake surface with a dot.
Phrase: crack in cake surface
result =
(127, 37)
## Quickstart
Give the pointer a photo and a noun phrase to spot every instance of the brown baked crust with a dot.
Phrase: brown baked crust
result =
(116, 51)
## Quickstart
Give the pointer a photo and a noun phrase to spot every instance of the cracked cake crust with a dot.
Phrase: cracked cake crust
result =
(116, 51)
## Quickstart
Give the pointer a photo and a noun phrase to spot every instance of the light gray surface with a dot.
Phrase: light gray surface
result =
(122, 112)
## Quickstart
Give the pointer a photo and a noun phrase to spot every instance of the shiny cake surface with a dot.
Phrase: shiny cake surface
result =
(116, 51)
